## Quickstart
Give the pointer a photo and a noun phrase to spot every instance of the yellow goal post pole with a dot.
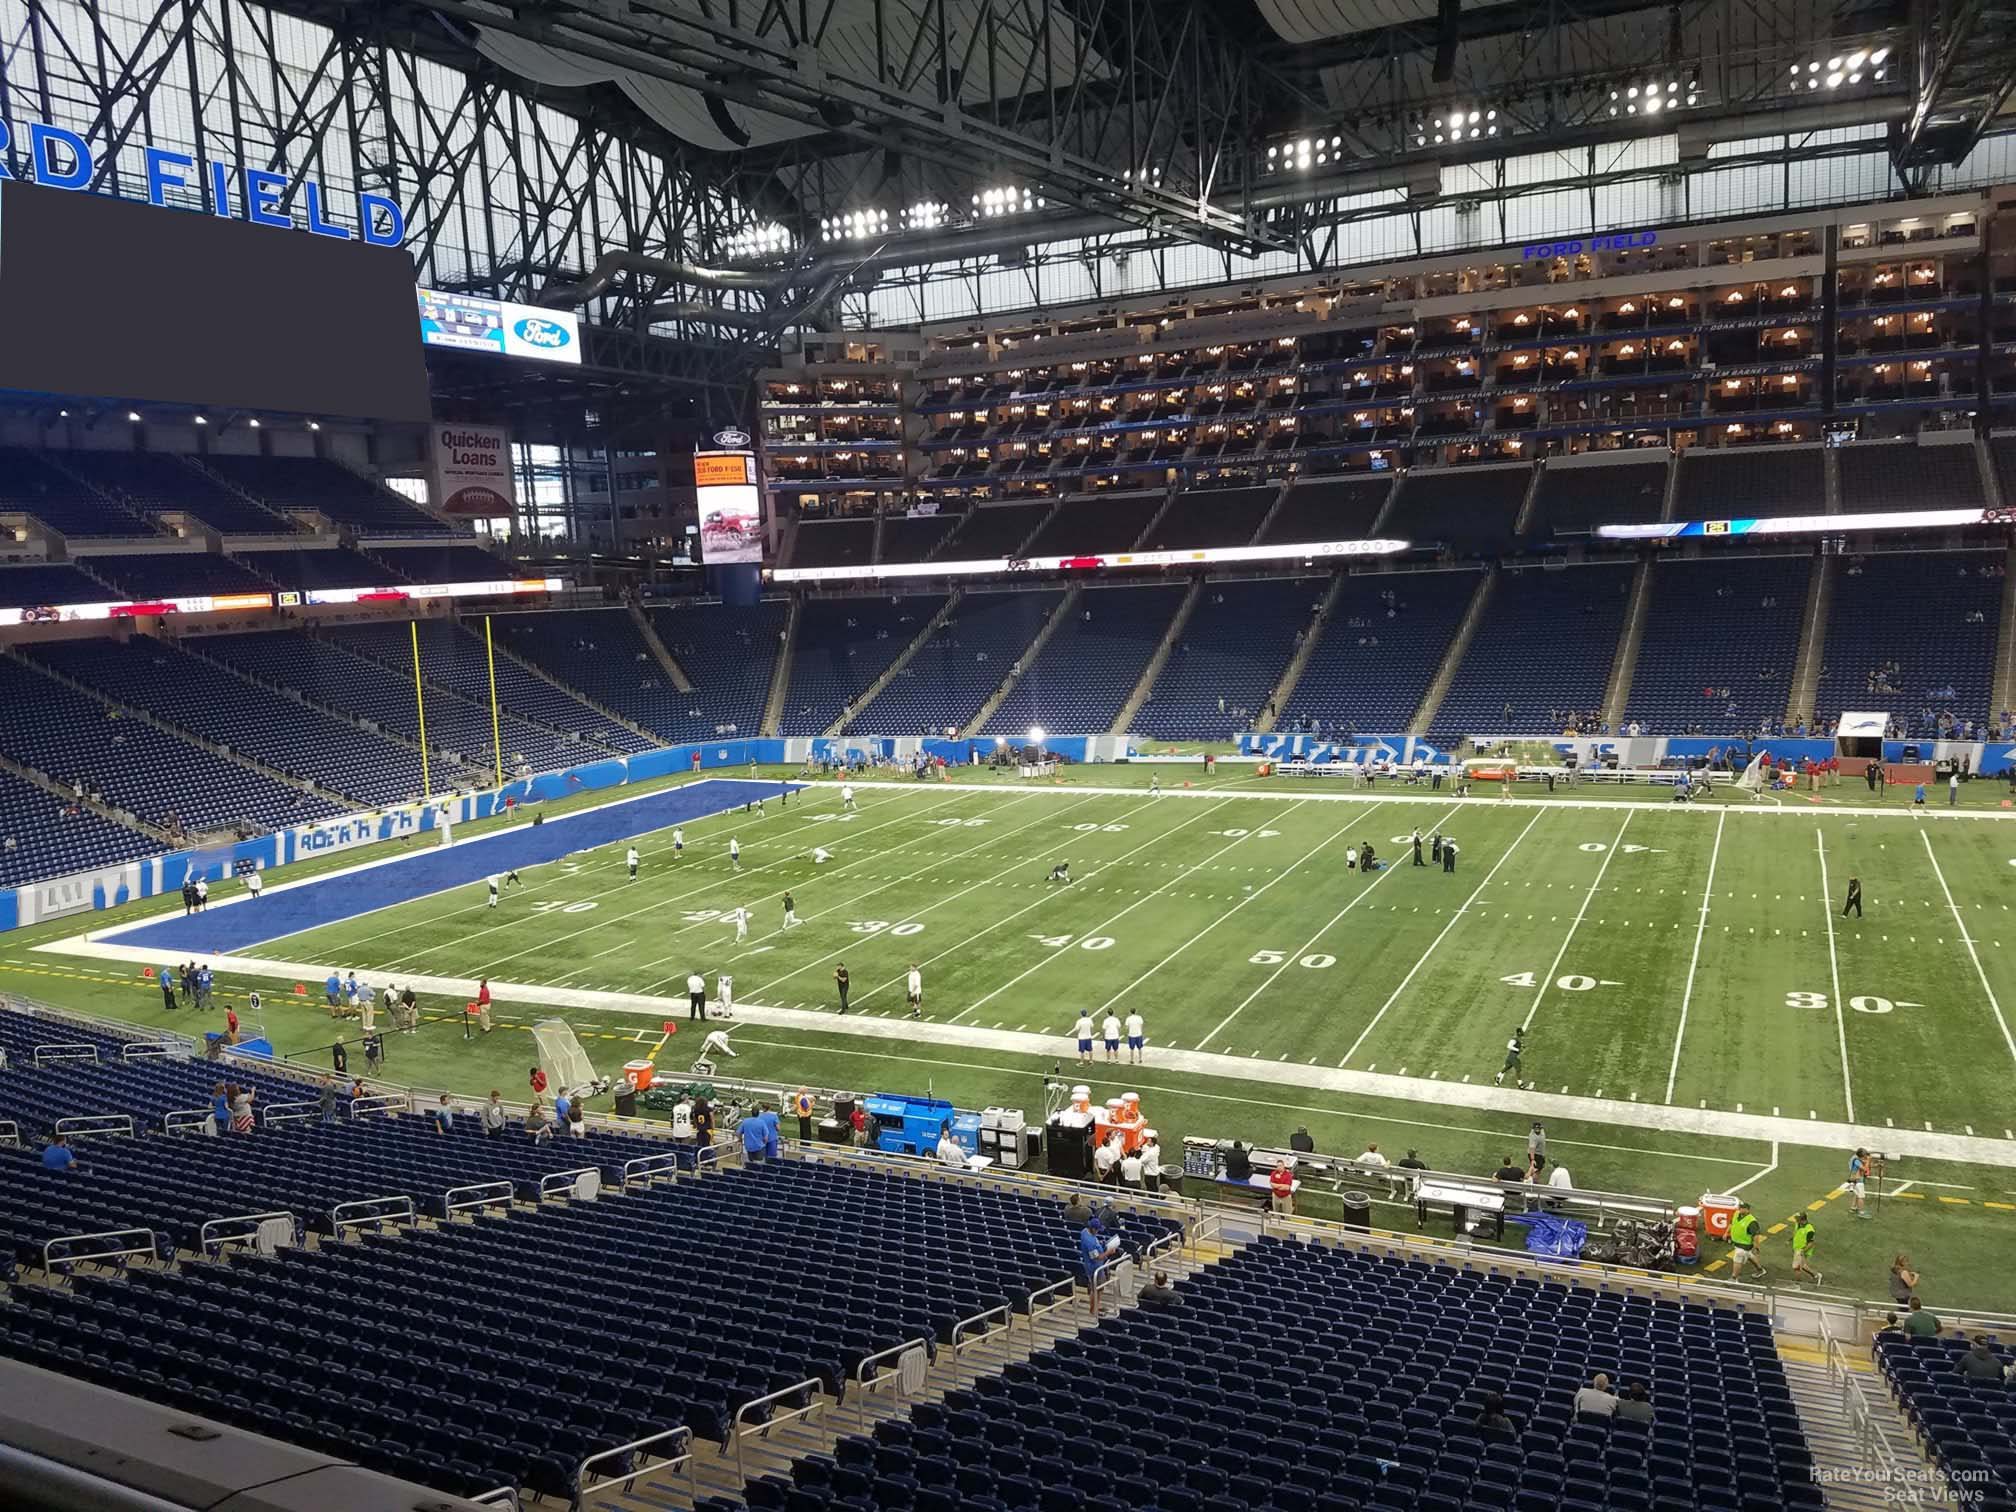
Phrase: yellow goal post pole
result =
(496, 724)
(420, 704)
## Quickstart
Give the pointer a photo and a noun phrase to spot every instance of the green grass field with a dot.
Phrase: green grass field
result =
(1697, 1011)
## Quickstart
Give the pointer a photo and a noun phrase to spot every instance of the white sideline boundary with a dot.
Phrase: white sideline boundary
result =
(901, 1032)
(1298, 791)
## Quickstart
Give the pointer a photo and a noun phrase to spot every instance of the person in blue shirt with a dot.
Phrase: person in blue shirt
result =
(773, 1144)
(220, 1109)
(755, 1138)
(167, 975)
(332, 988)
(1919, 800)
(204, 982)
(560, 1106)
(1093, 1250)
(57, 1155)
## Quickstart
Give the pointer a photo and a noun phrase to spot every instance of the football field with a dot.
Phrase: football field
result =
(1693, 958)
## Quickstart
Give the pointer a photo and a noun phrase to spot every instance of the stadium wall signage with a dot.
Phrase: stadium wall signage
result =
(1609, 241)
(60, 159)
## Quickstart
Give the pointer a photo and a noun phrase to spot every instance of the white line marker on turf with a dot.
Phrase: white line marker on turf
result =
(1834, 970)
(1993, 1004)
(1569, 938)
(1759, 1175)
(1694, 960)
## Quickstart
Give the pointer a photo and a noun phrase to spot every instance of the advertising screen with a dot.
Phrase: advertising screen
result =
(731, 507)
(106, 298)
(471, 323)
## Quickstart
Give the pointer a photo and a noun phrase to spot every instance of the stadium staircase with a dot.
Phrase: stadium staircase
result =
(1522, 523)
(1672, 486)
(1299, 662)
(1459, 647)
(773, 1451)
(660, 652)
(1159, 659)
(1830, 470)
(1991, 483)
(1067, 605)
(178, 732)
(1861, 1442)
(1148, 531)
(891, 672)
(1386, 512)
(533, 669)
(2005, 639)
(1617, 692)
(1813, 639)
(1274, 509)
(780, 674)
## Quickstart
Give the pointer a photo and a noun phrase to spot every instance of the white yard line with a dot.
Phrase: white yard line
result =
(1758, 1175)
(1050, 896)
(1547, 981)
(1834, 971)
(1694, 960)
(1967, 939)
(1280, 876)
(1105, 924)
(1435, 943)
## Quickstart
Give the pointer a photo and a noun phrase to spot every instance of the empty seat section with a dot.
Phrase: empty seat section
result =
(912, 538)
(1574, 501)
(1237, 643)
(1721, 640)
(1471, 509)
(323, 567)
(348, 498)
(1329, 509)
(1893, 475)
(1754, 480)
(1205, 517)
(177, 574)
(444, 564)
(833, 543)
(34, 485)
(843, 646)
(942, 687)
(604, 654)
(1914, 637)
(69, 735)
(151, 482)
(39, 585)
(40, 837)
(1078, 682)
(205, 700)
(1378, 652)
(992, 531)
(730, 652)
(1096, 526)
(1540, 655)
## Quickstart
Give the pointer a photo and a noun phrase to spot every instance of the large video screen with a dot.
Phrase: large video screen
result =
(107, 298)
(471, 323)
(731, 507)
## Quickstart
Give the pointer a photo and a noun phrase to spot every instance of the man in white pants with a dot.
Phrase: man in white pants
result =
(914, 986)
(254, 883)
(724, 994)
(741, 918)
(678, 843)
(847, 796)
(630, 860)
(735, 852)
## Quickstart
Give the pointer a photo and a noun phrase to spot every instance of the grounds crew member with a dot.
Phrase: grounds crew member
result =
(1803, 1241)
(1745, 1238)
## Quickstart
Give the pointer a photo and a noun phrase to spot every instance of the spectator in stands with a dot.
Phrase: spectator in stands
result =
(493, 1114)
(1094, 1248)
(1636, 1407)
(241, 1110)
(577, 1119)
(1978, 1364)
(703, 1122)
(444, 1115)
(536, 1080)
(1921, 1322)
(220, 1108)
(1160, 1294)
(563, 1105)
(538, 1122)
(755, 1138)
(325, 1100)
(1596, 1398)
(1491, 1416)
(57, 1155)
(1078, 1211)
(1903, 1279)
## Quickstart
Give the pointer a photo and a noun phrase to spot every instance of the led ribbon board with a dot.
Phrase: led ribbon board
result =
(1206, 557)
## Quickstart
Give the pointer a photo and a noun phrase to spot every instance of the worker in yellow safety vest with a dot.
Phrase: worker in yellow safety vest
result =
(1744, 1242)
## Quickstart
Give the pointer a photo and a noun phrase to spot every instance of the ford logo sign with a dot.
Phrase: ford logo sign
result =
(541, 333)
(731, 438)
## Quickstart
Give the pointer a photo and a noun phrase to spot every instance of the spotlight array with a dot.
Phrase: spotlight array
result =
(765, 240)
(1305, 152)
(1863, 64)
(1458, 125)
(992, 202)
(1655, 97)
(855, 225)
(926, 215)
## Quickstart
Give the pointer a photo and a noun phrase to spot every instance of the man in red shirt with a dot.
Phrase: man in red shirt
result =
(537, 1081)
(1281, 1182)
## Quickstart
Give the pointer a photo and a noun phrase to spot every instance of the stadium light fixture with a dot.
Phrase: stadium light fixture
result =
(253, 422)
(1839, 70)
(991, 203)
(1656, 97)
(314, 425)
(1036, 735)
(134, 416)
(765, 240)
(926, 215)
(202, 419)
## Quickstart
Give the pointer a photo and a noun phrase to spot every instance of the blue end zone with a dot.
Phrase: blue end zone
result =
(331, 900)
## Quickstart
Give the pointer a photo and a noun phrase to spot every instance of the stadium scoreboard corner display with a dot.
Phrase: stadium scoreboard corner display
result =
(731, 506)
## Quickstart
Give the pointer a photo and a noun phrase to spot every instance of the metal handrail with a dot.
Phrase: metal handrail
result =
(95, 1123)
(179, 1119)
(585, 1486)
(502, 1496)
(561, 1181)
(360, 1106)
(1063, 1290)
(479, 1194)
(10, 1132)
(50, 1260)
(69, 1050)
(289, 1112)
(737, 1432)
(860, 1377)
(206, 1241)
(389, 1209)
(646, 1167)
(134, 1050)
(1005, 1312)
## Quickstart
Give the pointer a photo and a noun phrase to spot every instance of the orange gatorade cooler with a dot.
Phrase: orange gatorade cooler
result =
(1718, 1211)
(640, 1073)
